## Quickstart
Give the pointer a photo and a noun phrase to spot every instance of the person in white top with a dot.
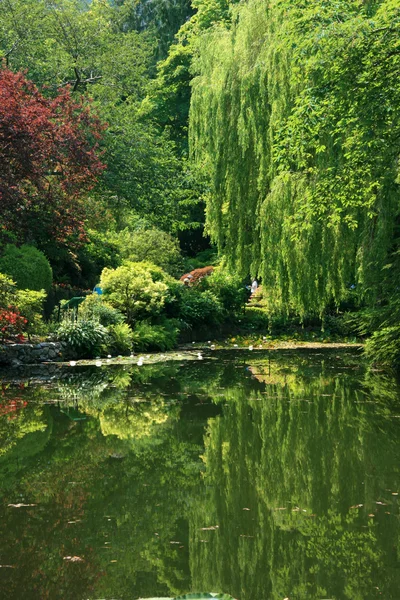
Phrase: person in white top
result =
(254, 286)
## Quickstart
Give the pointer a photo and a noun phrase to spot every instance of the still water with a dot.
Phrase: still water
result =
(266, 477)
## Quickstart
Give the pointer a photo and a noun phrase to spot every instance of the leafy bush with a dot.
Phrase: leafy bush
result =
(198, 308)
(120, 339)
(229, 289)
(12, 323)
(30, 303)
(85, 339)
(94, 308)
(139, 290)
(8, 290)
(202, 259)
(28, 267)
(151, 245)
(255, 319)
(154, 337)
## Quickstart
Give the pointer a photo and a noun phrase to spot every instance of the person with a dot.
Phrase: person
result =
(254, 286)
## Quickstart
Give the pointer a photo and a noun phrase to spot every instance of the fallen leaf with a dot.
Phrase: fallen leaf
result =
(20, 504)
(357, 506)
(245, 508)
(212, 528)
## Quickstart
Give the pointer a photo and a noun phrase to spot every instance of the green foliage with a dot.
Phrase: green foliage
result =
(383, 348)
(28, 266)
(98, 253)
(8, 290)
(139, 290)
(154, 337)
(120, 338)
(200, 308)
(256, 319)
(84, 339)
(205, 258)
(229, 289)
(94, 308)
(295, 117)
(151, 245)
(30, 304)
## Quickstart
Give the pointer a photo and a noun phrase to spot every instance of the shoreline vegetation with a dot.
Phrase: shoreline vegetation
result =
(143, 144)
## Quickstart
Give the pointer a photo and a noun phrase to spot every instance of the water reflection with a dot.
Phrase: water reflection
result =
(264, 477)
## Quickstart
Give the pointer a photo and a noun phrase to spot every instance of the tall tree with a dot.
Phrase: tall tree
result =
(295, 115)
(48, 158)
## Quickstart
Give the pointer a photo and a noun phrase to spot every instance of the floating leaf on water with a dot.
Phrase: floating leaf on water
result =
(73, 558)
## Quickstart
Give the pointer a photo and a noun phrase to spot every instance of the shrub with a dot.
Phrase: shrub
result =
(255, 319)
(120, 339)
(30, 303)
(229, 289)
(28, 267)
(198, 308)
(94, 308)
(151, 245)
(154, 337)
(85, 339)
(12, 323)
(139, 290)
(8, 290)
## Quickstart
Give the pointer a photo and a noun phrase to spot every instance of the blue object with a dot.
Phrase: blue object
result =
(97, 290)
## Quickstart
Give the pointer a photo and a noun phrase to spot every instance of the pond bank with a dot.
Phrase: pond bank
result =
(20, 356)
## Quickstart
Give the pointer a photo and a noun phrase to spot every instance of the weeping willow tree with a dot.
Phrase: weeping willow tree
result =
(295, 118)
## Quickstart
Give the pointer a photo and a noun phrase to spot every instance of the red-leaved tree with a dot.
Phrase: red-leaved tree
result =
(49, 158)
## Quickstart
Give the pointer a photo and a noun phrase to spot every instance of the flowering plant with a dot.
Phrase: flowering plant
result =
(12, 323)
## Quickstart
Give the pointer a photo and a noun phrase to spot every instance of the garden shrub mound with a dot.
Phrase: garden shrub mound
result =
(27, 266)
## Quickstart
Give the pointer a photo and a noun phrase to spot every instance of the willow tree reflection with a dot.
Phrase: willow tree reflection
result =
(298, 499)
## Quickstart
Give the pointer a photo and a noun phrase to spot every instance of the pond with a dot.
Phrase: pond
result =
(262, 475)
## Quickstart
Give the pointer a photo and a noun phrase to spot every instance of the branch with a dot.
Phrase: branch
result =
(7, 54)
(79, 81)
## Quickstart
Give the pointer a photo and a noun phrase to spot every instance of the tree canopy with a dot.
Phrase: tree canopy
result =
(295, 116)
